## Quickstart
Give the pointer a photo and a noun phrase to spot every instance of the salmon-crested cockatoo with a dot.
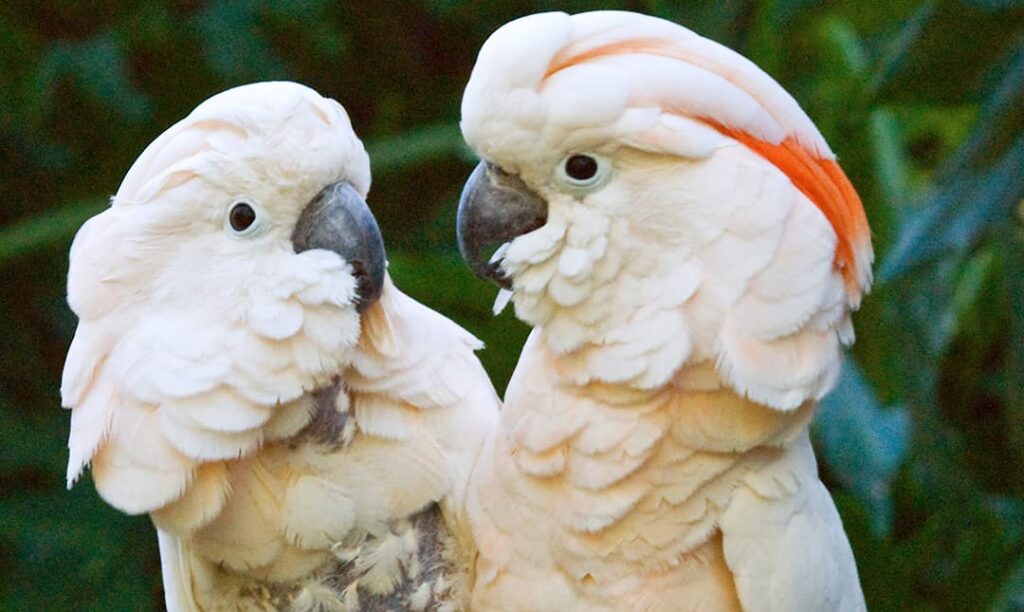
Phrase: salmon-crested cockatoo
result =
(300, 432)
(688, 252)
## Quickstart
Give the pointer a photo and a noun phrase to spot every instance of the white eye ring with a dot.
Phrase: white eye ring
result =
(583, 172)
(244, 218)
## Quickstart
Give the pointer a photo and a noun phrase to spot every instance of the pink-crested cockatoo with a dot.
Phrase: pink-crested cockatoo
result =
(688, 252)
(300, 432)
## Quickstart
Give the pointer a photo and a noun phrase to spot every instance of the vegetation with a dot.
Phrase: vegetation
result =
(922, 443)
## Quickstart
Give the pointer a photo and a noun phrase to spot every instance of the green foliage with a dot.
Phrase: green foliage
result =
(865, 446)
(922, 443)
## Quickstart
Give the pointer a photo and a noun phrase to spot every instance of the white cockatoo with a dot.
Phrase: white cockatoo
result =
(244, 371)
(688, 252)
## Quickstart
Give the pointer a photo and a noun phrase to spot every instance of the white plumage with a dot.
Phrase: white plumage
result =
(689, 307)
(226, 384)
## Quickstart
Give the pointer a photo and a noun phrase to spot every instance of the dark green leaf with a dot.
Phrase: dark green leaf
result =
(942, 53)
(45, 229)
(1001, 118)
(413, 147)
(71, 551)
(1013, 383)
(863, 442)
(230, 32)
(901, 49)
(98, 65)
(1011, 597)
(956, 213)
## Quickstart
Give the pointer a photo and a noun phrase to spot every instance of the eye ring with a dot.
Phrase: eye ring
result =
(582, 172)
(242, 218)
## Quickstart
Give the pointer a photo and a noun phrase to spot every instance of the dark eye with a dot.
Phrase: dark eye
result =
(241, 216)
(583, 173)
(581, 167)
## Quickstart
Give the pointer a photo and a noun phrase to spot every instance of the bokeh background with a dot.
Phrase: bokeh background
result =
(922, 443)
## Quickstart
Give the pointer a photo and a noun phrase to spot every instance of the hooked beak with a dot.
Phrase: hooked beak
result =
(339, 220)
(495, 208)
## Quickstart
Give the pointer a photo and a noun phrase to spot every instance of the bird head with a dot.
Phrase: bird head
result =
(226, 280)
(633, 171)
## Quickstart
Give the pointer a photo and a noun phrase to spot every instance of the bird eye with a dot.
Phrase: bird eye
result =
(582, 172)
(581, 167)
(241, 217)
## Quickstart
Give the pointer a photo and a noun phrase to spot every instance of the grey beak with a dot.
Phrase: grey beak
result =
(338, 220)
(495, 208)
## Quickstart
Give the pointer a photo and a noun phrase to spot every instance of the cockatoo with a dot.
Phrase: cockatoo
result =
(300, 432)
(688, 252)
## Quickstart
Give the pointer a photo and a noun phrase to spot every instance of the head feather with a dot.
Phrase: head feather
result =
(643, 62)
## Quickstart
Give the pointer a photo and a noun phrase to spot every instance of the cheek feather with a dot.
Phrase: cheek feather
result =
(826, 185)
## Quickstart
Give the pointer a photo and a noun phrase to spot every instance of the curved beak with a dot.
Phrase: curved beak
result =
(339, 220)
(495, 208)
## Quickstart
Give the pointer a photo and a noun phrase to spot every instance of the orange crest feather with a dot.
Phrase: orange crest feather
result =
(819, 178)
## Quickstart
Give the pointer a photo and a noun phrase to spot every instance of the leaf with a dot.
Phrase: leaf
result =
(1013, 385)
(863, 443)
(977, 186)
(956, 213)
(1000, 120)
(73, 552)
(234, 47)
(892, 176)
(902, 46)
(974, 274)
(46, 228)
(1011, 597)
(310, 20)
(47, 453)
(98, 65)
(917, 65)
(841, 34)
(890, 160)
(719, 20)
(415, 146)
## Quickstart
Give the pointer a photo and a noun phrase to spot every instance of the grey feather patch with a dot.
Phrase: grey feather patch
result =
(332, 423)
(425, 567)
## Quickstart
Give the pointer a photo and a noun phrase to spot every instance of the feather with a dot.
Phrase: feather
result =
(219, 410)
(543, 464)
(596, 472)
(182, 574)
(203, 501)
(589, 511)
(826, 185)
(199, 443)
(317, 513)
(794, 555)
(90, 425)
(538, 433)
(501, 301)
(288, 419)
(86, 355)
(275, 320)
(379, 416)
(245, 535)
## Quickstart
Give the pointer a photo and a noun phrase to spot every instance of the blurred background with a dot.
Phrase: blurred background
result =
(922, 443)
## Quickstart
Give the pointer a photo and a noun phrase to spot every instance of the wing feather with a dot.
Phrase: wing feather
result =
(784, 540)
